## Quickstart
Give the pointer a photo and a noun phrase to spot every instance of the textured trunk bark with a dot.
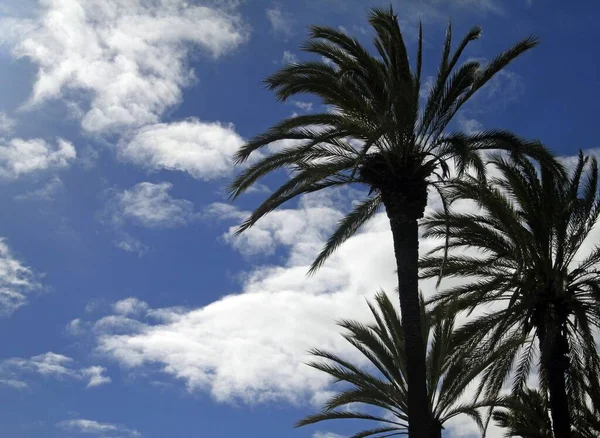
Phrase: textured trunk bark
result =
(556, 363)
(406, 248)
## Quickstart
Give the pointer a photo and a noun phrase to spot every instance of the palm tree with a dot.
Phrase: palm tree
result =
(382, 385)
(525, 415)
(527, 255)
(375, 133)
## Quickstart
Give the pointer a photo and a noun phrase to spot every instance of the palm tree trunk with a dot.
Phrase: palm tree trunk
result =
(405, 234)
(556, 364)
(435, 429)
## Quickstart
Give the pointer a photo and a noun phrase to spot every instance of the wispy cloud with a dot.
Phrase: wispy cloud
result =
(92, 427)
(281, 22)
(327, 435)
(6, 123)
(52, 365)
(14, 383)
(17, 281)
(148, 205)
(289, 58)
(304, 106)
(47, 192)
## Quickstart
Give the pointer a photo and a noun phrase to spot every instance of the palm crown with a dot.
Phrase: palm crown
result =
(375, 132)
(382, 384)
(527, 254)
(525, 414)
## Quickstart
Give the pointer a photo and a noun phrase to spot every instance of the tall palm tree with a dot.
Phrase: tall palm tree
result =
(382, 384)
(376, 133)
(526, 254)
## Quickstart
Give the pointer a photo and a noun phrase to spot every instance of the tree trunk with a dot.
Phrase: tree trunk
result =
(556, 363)
(435, 429)
(405, 234)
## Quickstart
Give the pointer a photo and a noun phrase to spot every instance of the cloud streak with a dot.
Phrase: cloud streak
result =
(51, 365)
(17, 281)
(91, 427)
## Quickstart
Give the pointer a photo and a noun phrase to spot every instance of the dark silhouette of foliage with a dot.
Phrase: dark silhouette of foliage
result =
(377, 133)
(383, 383)
(526, 256)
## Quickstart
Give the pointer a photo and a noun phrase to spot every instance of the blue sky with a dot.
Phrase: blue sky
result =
(127, 306)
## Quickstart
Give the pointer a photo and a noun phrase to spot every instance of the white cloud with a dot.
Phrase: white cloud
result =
(289, 58)
(131, 244)
(150, 205)
(14, 383)
(312, 221)
(95, 376)
(202, 149)
(6, 123)
(52, 365)
(92, 427)
(47, 192)
(304, 106)
(327, 435)
(20, 157)
(126, 60)
(16, 281)
(74, 327)
(280, 21)
(130, 306)
(252, 345)
(469, 126)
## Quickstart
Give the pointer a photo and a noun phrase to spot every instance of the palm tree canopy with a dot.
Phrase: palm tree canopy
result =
(382, 384)
(526, 254)
(375, 131)
(526, 415)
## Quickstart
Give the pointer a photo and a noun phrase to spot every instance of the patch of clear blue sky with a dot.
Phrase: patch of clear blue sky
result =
(555, 99)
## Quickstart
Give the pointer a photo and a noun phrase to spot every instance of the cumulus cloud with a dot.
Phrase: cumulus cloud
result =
(202, 149)
(252, 346)
(52, 365)
(92, 427)
(122, 63)
(20, 157)
(17, 281)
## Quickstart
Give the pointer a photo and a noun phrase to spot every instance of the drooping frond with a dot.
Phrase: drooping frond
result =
(347, 228)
